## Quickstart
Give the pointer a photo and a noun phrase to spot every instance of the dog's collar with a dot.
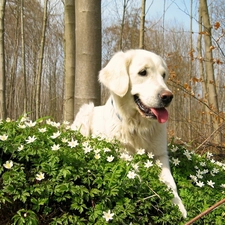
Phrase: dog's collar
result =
(117, 114)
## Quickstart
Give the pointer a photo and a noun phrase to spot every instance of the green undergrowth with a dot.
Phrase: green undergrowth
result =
(50, 174)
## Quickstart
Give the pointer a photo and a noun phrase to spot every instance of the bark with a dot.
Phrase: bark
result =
(142, 26)
(40, 62)
(2, 62)
(88, 52)
(68, 112)
(211, 81)
(125, 2)
(23, 58)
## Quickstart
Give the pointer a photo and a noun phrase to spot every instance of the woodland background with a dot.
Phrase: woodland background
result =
(51, 52)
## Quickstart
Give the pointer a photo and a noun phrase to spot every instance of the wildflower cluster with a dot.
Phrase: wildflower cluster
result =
(203, 177)
(46, 168)
(53, 175)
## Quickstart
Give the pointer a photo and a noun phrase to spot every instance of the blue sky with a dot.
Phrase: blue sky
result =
(176, 11)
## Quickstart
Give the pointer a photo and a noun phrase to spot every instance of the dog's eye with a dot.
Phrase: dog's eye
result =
(143, 73)
(164, 76)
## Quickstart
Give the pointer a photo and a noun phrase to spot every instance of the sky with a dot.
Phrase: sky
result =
(175, 10)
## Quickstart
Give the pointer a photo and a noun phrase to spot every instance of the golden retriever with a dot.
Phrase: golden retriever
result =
(135, 112)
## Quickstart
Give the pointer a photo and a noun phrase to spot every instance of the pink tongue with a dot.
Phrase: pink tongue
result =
(161, 114)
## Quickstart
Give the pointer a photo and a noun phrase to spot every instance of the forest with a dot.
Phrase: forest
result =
(44, 71)
(51, 52)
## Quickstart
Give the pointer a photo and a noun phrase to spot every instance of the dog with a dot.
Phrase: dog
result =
(135, 112)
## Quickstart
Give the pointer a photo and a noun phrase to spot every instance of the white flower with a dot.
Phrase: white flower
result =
(40, 176)
(205, 171)
(174, 149)
(20, 148)
(209, 155)
(135, 166)
(222, 185)
(30, 123)
(54, 124)
(215, 170)
(110, 158)
(72, 143)
(42, 130)
(55, 135)
(55, 147)
(187, 154)
(85, 144)
(158, 163)
(64, 140)
(24, 118)
(3, 137)
(210, 183)
(87, 149)
(219, 163)
(97, 151)
(199, 174)
(131, 175)
(97, 156)
(31, 139)
(150, 155)
(49, 122)
(108, 216)
(126, 157)
(22, 126)
(140, 151)
(8, 120)
(148, 164)
(200, 183)
(8, 164)
(107, 150)
(66, 122)
(194, 178)
(176, 161)
(202, 163)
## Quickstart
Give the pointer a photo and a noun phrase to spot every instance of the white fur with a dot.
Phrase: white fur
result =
(120, 118)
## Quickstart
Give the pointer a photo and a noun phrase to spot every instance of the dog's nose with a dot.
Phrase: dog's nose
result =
(166, 97)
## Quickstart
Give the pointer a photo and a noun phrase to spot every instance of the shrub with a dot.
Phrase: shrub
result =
(52, 175)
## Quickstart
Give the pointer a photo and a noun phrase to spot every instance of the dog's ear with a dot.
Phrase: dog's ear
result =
(115, 76)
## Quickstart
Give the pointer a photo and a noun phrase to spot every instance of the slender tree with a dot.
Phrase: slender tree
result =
(142, 26)
(2, 62)
(88, 52)
(211, 81)
(68, 111)
(23, 57)
(40, 62)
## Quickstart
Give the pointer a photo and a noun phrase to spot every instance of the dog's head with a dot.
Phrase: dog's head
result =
(142, 75)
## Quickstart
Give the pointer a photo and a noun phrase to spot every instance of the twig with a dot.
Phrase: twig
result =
(210, 136)
(206, 212)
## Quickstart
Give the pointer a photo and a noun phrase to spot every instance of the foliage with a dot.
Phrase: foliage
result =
(52, 175)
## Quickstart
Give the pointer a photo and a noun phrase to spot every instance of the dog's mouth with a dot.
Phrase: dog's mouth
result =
(160, 114)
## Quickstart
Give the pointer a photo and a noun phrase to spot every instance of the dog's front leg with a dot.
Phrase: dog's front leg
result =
(167, 178)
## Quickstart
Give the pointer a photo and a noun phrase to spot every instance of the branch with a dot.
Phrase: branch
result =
(206, 212)
(210, 136)
(199, 100)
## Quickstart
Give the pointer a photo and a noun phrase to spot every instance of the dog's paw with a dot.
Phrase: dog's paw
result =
(178, 202)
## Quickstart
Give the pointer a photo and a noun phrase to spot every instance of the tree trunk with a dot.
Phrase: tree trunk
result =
(68, 112)
(23, 59)
(211, 82)
(122, 24)
(40, 63)
(88, 52)
(2, 62)
(142, 26)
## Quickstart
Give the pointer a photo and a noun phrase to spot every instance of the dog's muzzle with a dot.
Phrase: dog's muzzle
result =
(160, 113)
